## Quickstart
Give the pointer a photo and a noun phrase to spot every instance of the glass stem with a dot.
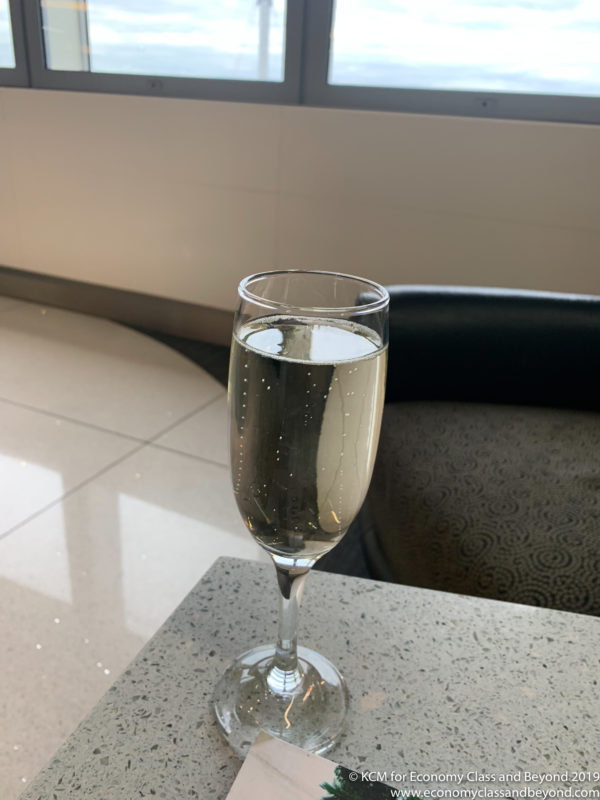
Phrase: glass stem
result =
(284, 677)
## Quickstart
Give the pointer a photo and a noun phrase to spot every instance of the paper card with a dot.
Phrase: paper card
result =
(279, 771)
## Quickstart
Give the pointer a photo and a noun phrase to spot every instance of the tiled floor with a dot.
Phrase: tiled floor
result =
(115, 499)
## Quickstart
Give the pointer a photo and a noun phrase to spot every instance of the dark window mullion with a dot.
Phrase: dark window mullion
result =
(34, 40)
(315, 68)
(294, 31)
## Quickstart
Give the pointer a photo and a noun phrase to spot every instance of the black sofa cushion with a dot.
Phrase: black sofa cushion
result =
(498, 501)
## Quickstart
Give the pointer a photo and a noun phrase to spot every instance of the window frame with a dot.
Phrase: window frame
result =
(307, 54)
(19, 74)
(286, 91)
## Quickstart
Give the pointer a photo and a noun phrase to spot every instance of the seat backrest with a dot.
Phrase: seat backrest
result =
(494, 345)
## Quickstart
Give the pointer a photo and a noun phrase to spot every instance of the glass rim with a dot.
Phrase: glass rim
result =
(365, 308)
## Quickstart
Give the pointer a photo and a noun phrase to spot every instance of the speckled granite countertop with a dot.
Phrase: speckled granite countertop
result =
(439, 683)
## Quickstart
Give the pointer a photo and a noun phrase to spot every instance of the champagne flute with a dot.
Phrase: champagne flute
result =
(306, 390)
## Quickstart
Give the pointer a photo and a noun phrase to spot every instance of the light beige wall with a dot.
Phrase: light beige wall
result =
(181, 198)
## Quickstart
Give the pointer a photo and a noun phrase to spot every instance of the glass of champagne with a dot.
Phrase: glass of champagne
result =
(306, 390)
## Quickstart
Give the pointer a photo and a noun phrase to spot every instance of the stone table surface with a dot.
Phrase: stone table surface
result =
(441, 685)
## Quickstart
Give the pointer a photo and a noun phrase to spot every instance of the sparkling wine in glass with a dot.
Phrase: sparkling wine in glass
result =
(306, 390)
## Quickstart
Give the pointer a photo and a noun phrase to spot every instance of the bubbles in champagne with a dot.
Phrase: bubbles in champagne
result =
(325, 381)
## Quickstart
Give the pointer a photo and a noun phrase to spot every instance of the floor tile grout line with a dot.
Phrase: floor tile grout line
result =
(203, 459)
(141, 444)
(65, 418)
(183, 419)
(92, 426)
(72, 490)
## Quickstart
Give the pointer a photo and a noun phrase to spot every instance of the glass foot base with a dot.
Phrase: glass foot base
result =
(308, 711)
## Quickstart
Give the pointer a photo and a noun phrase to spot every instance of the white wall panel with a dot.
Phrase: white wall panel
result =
(181, 198)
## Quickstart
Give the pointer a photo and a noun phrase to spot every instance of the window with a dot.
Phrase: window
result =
(521, 59)
(231, 39)
(223, 49)
(7, 53)
(13, 63)
(534, 46)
